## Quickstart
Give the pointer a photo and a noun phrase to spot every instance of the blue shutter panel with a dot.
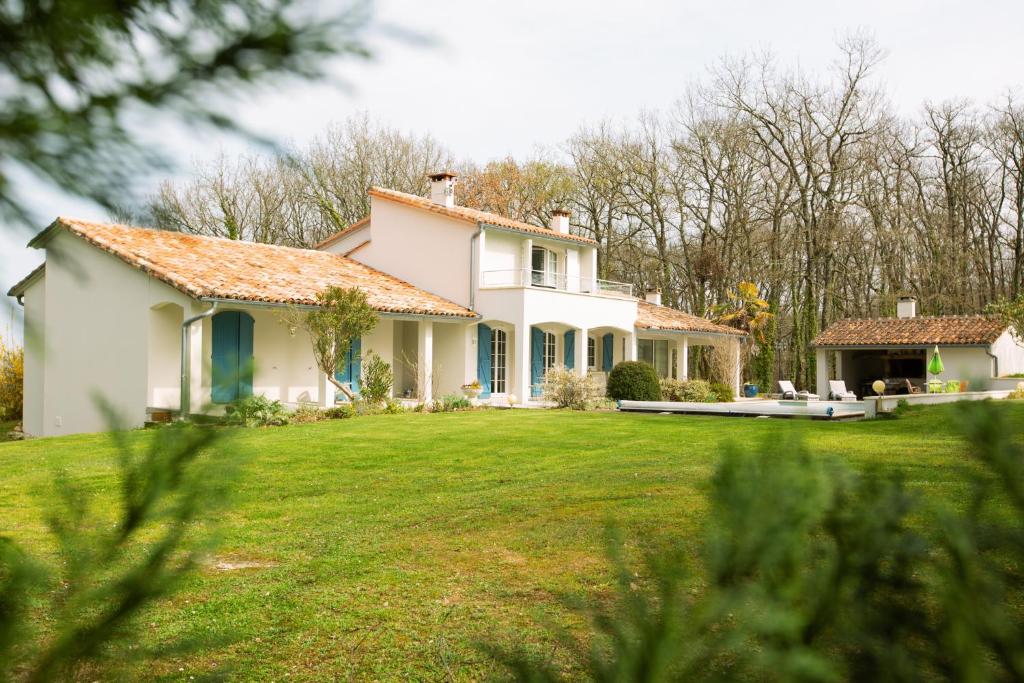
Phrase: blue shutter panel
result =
(570, 349)
(483, 358)
(607, 351)
(224, 361)
(245, 356)
(536, 360)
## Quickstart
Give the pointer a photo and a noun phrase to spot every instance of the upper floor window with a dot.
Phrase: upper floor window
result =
(544, 267)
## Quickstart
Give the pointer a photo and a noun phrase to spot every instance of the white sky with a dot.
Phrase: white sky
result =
(508, 77)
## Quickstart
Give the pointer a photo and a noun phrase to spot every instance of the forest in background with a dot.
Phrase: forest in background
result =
(811, 187)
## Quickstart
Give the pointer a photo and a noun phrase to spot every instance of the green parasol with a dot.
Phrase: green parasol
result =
(935, 364)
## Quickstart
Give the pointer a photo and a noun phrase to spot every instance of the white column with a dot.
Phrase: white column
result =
(521, 385)
(739, 369)
(425, 359)
(631, 346)
(199, 395)
(821, 373)
(325, 391)
(580, 358)
(525, 272)
(682, 358)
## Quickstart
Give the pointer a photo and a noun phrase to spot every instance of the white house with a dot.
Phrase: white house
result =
(978, 349)
(137, 315)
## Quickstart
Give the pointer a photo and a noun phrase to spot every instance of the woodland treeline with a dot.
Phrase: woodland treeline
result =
(812, 187)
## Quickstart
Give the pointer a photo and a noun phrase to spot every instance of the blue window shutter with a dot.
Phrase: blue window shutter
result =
(483, 358)
(607, 351)
(224, 361)
(570, 349)
(245, 357)
(355, 351)
(536, 360)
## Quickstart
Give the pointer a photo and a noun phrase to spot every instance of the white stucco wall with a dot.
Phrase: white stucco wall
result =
(1010, 353)
(451, 370)
(164, 356)
(970, 363)
(35, 360)
(96, 332)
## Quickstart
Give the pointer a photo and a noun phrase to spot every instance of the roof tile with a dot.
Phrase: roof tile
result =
(920, 331)
(653, 317)
(214, 267)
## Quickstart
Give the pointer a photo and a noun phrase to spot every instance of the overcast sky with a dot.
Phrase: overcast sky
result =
(507, 77)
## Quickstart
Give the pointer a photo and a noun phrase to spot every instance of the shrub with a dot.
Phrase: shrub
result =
(568, 389)
(12, 376)
(342, 412)
(377, 380)
(256, 411)
(306, 413)
(690, 391)
(633, 381)
(449, 403)
(393, 407)
(722, 392)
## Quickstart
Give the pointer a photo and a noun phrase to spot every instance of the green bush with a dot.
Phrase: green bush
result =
(569, 389)
(256, 411)
(722, 392)
(377, 380)
(306, 413)
(449, 403)
(690, 391)
(633, 381)
(343, 412)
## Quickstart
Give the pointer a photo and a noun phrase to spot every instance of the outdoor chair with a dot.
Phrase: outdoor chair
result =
(911, 389)
(789, 392)
(837, 391)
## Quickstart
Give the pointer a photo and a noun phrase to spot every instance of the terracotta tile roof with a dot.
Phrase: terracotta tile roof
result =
(22, 284)
(920, 331)
(364, 221)
(652, 317)
(214, 267)
(472, 215)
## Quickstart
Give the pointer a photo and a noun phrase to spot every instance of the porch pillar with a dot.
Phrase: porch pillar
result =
(521, 385)
(325, 391)
(631, 346)
(580, 355)
(821, 373)
(425, 359)
(682, 358)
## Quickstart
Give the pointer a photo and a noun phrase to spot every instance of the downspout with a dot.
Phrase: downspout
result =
(995, 361)
(186, 361)
(472, 266)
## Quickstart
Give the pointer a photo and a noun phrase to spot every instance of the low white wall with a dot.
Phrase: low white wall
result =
(886, 404)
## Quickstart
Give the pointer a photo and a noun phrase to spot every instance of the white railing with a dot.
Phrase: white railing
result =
(557, 281)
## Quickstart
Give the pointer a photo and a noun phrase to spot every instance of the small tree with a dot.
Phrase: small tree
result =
(12, 375)
(342, 316)
(1011, 312)
(745, 310)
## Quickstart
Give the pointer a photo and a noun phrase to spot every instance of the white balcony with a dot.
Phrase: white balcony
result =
(493, 279)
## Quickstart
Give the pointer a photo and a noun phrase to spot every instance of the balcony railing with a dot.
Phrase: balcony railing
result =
(557, 281)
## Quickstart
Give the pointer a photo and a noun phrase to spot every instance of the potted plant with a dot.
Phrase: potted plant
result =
(472, 389)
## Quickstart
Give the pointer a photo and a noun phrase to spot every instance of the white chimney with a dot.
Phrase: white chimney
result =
(560, 221)
(906, 307)
(653, 296)
(442, 188)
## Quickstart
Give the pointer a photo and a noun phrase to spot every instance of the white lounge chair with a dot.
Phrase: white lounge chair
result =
(790, 392)
(837, 391)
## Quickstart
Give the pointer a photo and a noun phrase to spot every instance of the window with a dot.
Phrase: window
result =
(499, 347)
(549, 351)
(654, 352)
(544, 265)
(591, 352)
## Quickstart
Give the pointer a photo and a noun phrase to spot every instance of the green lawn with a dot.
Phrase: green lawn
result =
(396, 543)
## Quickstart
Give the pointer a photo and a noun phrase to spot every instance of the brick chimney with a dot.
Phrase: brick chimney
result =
(442, 188)
(906, 307)
(653, 296)
(560, 221)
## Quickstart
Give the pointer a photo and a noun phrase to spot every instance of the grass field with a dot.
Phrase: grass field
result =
(391, 546)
